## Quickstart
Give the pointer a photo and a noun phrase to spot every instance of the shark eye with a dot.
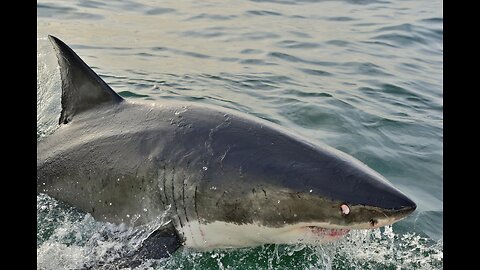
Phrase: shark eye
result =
(345, 209)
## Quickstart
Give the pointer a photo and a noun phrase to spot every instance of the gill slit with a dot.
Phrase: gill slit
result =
(172, 218)
(183, 199)
(173, 198)
(165, 185)
(164, 199)
(195, 202)
(198, 217)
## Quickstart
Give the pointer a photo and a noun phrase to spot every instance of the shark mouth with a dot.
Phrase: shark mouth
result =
(324, 232)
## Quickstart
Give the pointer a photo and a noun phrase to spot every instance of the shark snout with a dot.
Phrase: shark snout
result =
(405, 210)
(381, 216)
(396, 205)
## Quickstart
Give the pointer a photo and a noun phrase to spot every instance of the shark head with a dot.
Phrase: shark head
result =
(264, 184)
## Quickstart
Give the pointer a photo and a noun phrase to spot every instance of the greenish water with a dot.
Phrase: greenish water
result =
(365, 77)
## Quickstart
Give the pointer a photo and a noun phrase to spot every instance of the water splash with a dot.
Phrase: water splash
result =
(69, 239)
(385, 249)
(377, 249)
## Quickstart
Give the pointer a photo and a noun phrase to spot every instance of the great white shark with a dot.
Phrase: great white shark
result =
(225, 179)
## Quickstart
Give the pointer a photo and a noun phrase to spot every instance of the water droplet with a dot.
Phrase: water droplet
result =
(145, 210)
(205, 168)
(110, 204)
(311, 190)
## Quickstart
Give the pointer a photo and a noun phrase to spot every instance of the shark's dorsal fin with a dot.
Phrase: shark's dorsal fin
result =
(82, 88)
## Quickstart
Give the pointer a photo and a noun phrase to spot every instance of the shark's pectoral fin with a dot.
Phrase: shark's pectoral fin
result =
(82, 88)
(160, 244)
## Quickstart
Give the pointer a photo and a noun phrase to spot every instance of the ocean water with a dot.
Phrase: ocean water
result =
(365, 77)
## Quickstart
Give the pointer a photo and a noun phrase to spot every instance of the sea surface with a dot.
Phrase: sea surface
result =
(363, 76)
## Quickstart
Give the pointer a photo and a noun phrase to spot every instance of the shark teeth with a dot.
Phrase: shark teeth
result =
(329, 232)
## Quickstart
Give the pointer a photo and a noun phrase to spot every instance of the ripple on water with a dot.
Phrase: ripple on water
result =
(293, 59)
(315, 117)
(215, 17)
(300, 93)
(294, 44)
(400, 39)
(206, 33)
(159, 11)
(128, 94)
(369, 69)
(315, 72)
(66, 13)
(262, 13)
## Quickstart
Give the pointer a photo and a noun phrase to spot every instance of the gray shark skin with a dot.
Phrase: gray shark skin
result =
(130, 161)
